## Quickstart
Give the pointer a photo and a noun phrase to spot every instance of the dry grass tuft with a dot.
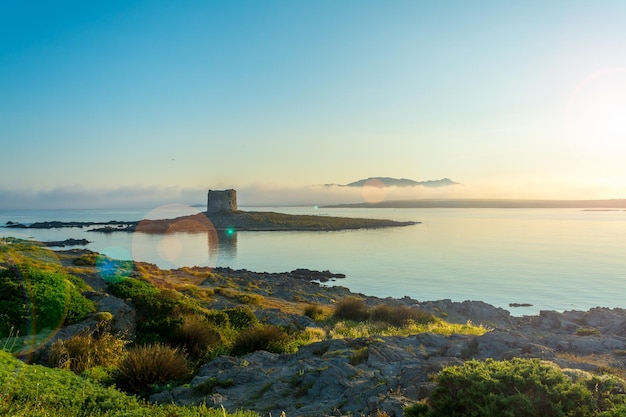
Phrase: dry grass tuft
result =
(351, 308)
(84, 351)
(147, 365)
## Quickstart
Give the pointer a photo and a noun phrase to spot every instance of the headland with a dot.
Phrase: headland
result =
(237, 220)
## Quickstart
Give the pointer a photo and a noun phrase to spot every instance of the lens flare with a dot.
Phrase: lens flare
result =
(374, 191)
(114, 263)
(189, 238)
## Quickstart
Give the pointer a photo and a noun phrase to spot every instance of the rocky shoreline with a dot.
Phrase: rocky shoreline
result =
(394, 372)
(363, 375)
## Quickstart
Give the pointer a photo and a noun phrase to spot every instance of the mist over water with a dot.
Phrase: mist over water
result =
(558, 259)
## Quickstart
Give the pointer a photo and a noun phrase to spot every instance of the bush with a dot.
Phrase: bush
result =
(147, 365)
(400, 316)
(315, 312)
(160, 311)
(241, 317)
(196, 336)
(139, 291)
(351, 308)
(269, 338)
(218, 318)
(416, 410)
(32, 299)
(520, 387)
(38, 391)
(84, 351)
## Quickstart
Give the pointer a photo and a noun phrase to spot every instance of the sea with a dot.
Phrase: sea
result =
(552, 259)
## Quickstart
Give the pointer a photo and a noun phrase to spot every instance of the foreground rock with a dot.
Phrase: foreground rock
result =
(366, 375)
(360, 376)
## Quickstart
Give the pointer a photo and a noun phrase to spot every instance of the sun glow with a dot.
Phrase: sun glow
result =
(595, 118)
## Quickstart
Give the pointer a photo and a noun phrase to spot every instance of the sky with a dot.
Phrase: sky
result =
(109, 103)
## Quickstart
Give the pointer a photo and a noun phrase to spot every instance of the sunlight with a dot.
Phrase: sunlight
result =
(595, 118)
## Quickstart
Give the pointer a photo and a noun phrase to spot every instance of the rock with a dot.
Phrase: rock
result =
(276, 317)
(477, 312)
(67, 242)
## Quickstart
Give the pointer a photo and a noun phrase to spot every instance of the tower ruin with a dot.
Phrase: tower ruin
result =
(221, 200)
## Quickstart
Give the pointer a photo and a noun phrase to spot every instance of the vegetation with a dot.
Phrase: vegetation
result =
(351, 308)
(258, 220)
(355, 309)
(147, 365)
(37, 391)
(160, 311)
(316, 312)
(519, 387)
(400, 315)
(269, 338)
(84, 351)
(33, 299)
(177, 331)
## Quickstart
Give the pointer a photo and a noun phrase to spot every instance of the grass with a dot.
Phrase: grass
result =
(268, 338)
(37, 391)
(84, 351)
(352, 329)
(176, 316)
(147, 365)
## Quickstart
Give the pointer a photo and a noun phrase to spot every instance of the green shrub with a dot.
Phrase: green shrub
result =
(134, 289)
(268, 338)
(609, 392)
(160, 311)
(195, 335)
(400, 316)
(32, 299)
(218, 318)
(84, 351)
(351, 308)
(416, 410)
(241, 317)
(144, 366)
(519, 387)
(37, 391)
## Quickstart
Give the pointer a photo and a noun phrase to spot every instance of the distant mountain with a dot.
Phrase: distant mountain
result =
(404, 182)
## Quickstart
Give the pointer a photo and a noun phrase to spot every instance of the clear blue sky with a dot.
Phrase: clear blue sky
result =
(166, 98)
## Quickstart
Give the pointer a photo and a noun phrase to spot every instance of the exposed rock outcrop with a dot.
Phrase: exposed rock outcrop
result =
(366, 375)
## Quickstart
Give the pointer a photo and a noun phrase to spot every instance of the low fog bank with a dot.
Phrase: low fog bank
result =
(274, 195)
(83, 198)
(253, 195)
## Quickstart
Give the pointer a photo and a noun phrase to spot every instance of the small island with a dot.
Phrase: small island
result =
(222, 215)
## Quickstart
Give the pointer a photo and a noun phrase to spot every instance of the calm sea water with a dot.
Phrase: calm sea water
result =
(558, 259)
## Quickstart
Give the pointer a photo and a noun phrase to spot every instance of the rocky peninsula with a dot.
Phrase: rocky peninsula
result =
(238, 220)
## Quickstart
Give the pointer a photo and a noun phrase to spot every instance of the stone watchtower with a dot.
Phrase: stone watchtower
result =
(222, 200)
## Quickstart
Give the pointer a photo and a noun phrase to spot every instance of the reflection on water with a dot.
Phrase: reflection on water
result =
(227, 247)
(179, 249)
